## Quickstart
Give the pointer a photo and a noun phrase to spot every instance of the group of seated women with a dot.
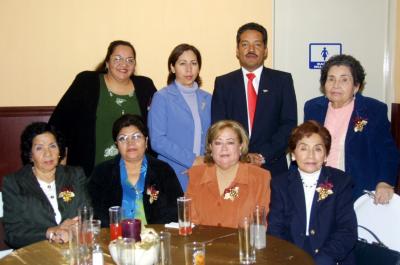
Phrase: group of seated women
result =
(104, 118)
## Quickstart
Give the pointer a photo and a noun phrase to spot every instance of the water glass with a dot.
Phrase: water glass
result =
(184, 216)
(115, 213)
(78, 250)
(164, 253)
(126, 251)
(85, 213)
(259, 227)
(195, 253)
(91, 232)
(247, 251)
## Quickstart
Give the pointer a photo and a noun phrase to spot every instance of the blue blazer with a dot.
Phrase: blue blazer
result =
(171, 128)
(371, 156)
(275, 116)
(333, 223)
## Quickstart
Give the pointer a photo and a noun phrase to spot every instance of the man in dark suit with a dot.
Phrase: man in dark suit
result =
(267, 110)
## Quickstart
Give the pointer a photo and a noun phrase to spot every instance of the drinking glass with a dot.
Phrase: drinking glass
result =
(247, 251)
(115, 213)
(259, 227)
(195, 253)
(164, 248)
(78, 250)
(126, 251)
(91, 234)
(85, 213)
(184, 216)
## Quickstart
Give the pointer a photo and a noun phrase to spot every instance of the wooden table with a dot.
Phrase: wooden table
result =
(221, 249)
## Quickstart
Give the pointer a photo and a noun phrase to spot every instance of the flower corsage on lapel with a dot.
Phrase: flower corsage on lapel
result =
(231, 193)
(359, 124)
(153, 193)
(67, 194)
(324, 190)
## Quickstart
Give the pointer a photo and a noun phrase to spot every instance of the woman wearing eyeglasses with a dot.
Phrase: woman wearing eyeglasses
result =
(95, 99)
(145, 187)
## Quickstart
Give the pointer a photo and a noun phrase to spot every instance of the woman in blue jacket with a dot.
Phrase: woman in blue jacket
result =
(180, 113)
(311, 205)
(362, 145)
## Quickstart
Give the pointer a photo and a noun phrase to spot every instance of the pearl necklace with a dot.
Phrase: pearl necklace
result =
(308, 186)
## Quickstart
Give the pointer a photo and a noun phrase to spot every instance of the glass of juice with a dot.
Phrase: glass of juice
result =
(115, 222)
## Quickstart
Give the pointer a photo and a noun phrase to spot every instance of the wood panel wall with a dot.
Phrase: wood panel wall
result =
(12, 122)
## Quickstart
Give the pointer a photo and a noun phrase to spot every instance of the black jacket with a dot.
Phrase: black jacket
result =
(105, 190)
(75, 115)
(27, 211)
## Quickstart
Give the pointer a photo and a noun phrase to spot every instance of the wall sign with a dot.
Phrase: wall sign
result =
(319, 53)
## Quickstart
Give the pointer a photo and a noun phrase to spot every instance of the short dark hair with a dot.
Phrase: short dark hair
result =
(127, 120)
(356, 69)
(306, 130)
(173, 57)
(102, 67)
(252, 26)
(215, 130)
(31, 131)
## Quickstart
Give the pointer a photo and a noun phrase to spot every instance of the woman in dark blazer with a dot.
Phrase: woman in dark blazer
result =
(146, 188)
(42, 198)
(362, 145)
(95, 100)
(311, 206)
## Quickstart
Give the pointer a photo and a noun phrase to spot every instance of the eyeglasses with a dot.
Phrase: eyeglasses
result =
(117, 59)
(134, 137)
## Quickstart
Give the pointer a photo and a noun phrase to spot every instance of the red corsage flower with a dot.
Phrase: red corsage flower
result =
(324, 190)
(67, 194)
(231, 193)
(153, 193)
(359, 124)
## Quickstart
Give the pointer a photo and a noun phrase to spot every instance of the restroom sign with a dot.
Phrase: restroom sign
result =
(319, 53)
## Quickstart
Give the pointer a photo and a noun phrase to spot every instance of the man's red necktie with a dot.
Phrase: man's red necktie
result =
(251, 97)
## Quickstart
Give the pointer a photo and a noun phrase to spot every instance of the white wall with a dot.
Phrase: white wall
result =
(364, 28)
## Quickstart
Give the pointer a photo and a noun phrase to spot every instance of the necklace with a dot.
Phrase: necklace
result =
(309, 186)
(112, 94)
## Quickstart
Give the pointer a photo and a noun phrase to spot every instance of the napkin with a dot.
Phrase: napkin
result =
(174, 225)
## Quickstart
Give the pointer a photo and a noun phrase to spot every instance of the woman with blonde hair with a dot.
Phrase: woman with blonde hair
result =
(227, 188)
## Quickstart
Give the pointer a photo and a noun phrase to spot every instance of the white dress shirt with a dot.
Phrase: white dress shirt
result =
(309, 181)
(50, 190)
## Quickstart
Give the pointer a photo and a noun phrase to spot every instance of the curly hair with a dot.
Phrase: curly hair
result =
(215, 130)
(31, 131)
(306, 130)
(356, 69)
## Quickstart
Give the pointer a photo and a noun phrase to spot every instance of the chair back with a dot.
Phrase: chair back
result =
(382, 220)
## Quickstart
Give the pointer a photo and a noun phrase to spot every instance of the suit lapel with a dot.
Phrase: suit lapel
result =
(358, 112)
(262, 100)
(316, 205)
(178, 98)
(30, 183)
(210, 182)
(296, 193)
(61, 184)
